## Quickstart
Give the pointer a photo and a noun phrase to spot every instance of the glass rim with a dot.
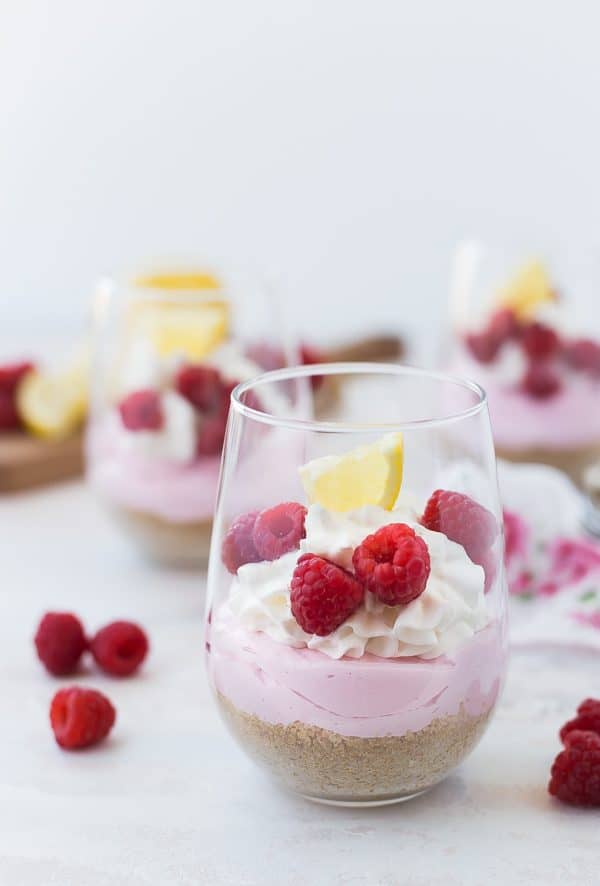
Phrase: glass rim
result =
(320, 369)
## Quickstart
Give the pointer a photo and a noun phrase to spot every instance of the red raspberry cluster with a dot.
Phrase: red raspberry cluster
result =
(263, 535)
(393, 563)
(10, 378)
(575, 775)
(82, 717)
(204, 388)
(546, 353)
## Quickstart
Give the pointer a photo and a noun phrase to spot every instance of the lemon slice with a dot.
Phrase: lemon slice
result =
(192, 330)
(50, 405)
(183, 281)
(368, 475)
(54, 404)
(528, 289)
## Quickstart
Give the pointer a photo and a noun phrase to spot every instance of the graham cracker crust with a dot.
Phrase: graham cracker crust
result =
(328, 766)
(172, 544)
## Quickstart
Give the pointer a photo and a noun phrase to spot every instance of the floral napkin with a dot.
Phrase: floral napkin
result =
(553, 568)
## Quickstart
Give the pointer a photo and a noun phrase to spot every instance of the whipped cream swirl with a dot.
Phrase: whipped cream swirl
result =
(448, 612)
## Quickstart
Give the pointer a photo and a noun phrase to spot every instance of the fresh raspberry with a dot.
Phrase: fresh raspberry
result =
(279, 530)
(309, 355)
(483, 346)
(238, 545)
(575, 775)
(119, 648)
(583, 354)
(541, 381)
(203, 387)
(464, 521)
(9, 417)
(503, 325)
(80, 717)
(539, 341)
(323, 595)
(60, 642)
(211, 434)
(142, 411)
(12, 373)
(393, 564)
(10, 376)
(587, 719)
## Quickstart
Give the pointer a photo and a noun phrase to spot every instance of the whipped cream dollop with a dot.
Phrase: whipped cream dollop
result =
(448, 612)
(175, 441)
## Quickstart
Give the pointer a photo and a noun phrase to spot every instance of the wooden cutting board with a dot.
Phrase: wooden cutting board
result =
(27, 462)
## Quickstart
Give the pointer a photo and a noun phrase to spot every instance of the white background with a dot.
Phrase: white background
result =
(342, 145)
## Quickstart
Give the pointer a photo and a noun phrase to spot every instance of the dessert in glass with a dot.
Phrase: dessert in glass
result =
(520, 329)
(356, 611)
(168, 350)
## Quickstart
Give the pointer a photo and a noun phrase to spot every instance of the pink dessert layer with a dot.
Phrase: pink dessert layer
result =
(568, 420)
(365, 697)
(179, 493)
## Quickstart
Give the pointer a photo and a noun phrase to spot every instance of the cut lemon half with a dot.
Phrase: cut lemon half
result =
(368, 475)
(529, 288)
(52, 405)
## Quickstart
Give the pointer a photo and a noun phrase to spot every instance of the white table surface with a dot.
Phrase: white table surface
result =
(171, 800)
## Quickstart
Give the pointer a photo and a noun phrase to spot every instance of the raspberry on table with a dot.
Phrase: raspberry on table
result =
(540, 341)
(142, 411)
(323, 595)
(238, 545)
(583, 354)
(12, 373)
(60, 642)
(575, 775)
(587, 719)
(464, 521)
(541, 381)
(10, 376)
(119, 648)
(393, 563)
(279, 530)
(10, 419)
(203, 387)
(80, 717)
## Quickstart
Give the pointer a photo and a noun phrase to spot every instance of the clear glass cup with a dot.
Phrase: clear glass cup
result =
(524, 323)
(351, 681)
(168, 348)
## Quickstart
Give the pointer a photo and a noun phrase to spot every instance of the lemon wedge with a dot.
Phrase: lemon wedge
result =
(193, 330)
(529, 288)
(368, 475)
(184, 281)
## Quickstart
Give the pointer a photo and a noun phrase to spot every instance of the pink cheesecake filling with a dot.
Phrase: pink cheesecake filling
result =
(568, 420)
(179, 493)
(365, 697)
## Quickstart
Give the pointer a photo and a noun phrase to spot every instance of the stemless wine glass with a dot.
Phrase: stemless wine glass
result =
(168, 350)
(356, 612)
(525, 325)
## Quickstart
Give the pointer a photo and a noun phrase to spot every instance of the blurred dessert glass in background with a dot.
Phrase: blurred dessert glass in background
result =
(168, 350)
(525, 329)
